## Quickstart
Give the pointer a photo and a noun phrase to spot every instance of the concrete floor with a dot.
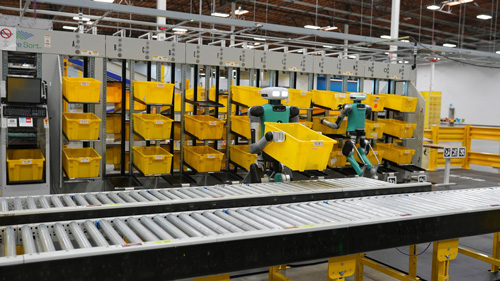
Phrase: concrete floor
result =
(462, 268)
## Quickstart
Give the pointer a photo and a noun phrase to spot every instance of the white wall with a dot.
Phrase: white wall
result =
(473, 91)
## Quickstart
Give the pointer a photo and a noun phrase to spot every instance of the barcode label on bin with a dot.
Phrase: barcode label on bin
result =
(159, 122)
(158, 157)
(160, 85)
(408, 125)
(407, 151)
(26, 161)
(212, 123)
(342, 96)
(84, 160)
(211, 156)
(318, 143)
(84, 121)
(85, 84)
(376, 125)
(303, 93)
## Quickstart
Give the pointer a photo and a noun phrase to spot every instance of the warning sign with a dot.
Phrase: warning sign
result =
(7, 38)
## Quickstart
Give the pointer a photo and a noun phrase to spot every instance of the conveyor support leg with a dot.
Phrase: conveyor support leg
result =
(341, 267)
(496, 250)
(275, 274)
(360, 268)
(443, 252)
(218, 277)
(412, 265)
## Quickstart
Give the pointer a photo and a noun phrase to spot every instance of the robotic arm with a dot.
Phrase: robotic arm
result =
(345, 111)
(259, 143)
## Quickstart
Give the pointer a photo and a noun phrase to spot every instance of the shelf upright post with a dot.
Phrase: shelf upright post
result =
(228, 112)
(148, 78)
(131, 120)
(172, 112)
(123, 116)
(182, 84)
(217, 89)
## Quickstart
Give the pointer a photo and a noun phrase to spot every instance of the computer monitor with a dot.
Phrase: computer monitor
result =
(24, 90)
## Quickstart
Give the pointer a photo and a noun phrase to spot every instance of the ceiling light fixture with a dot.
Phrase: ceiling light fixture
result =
(240, 12)
(328, 46)
(315, 27)
(105, 1)
(484, 17)
(406, 41)
(329, 28)
(70, 27)
(259, 39)
(385, 37)
(449, 45)
(457, 2)
(220, 15)
(498, 52)
(83, 18)
(179, 29)
(433, 7)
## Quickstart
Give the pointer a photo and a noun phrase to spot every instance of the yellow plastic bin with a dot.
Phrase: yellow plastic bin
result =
(303, 148)
(25, 164)
(241, 125)
(81, 162)
(203, 158)
(400, 103)
(137, 105)
(337, 159)
(81, 126)
(317, 126)
(153, 126)
(152, 160)
(397, 128)
(117, 166)
(374, 130)
(247, 95)
(376, 102)
(113, 124)
(298, 98)
(113, 155)
(177, 103)
(240, 154)
(81, 90)
(114, 92)
(153, 92)
(395, 153)
(329, 99)
(306, 123)
(204, 127)
(127, 133)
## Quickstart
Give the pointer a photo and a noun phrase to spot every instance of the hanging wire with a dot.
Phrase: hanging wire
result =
(371, 19)
(419, 21)
(491, 45)
(495, 26)
(361, 12)
(415, 255)
(463, 28)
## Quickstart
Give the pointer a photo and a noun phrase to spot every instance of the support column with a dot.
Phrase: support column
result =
(395, 10)
(443, 252)
(341, 267)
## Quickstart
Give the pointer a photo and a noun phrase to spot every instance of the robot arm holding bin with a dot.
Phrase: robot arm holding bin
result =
(347, 108)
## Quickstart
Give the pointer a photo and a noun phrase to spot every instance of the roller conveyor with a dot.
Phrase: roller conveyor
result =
(32, 209)
(196, 243)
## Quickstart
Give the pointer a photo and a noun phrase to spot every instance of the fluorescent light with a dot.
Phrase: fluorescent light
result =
(259, 39)
(83, 18)
(105, 1)
(256, 44)
(329, 28)
(154, 36)
(433, 7)
(240, 12)
(70, 27)
(458, 2)
(315, 27)
(220, 15)
(449, 45)
(406, 41)
(385, 37)
(352, 56)
(328, 46)
(498, 52)
(483, 17)
(179, 29)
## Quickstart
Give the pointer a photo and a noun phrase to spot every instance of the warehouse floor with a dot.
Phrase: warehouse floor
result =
(462, 268)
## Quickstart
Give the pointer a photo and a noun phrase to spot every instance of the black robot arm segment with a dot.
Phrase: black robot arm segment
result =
(294, 114)
(345, 111)
(254, 114)
(368, 110)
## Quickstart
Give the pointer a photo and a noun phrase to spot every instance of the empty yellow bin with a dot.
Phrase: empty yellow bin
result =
(317, 126)
(374, 130)
(400, 103)
(81, 162)
(204, 127)
(395, 153)
(127, 161)
(247, 95)
(113, 124)
(337, 159)
(81, 90)
(241, 126)
(114, 92)
(240, 154)
(81, 126)
(298, 98)
(153, 92)
(137, 105)
(397, 128)
(329, 99)
(303, 148)
(306, 123)
(152, 126)
(376, 102)
(203, 158)
(152, 160)
(25, 164)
